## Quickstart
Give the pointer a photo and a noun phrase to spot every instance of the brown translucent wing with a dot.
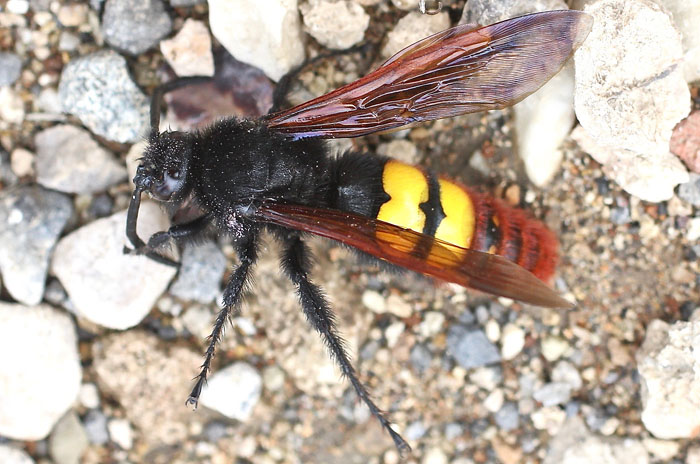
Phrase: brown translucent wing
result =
(460, 70)
(470, 268)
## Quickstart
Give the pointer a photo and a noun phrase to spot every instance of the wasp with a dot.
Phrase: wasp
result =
(275, 173)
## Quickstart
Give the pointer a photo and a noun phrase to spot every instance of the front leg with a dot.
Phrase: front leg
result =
(179, 232)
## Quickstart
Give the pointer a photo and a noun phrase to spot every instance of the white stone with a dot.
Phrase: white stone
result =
(233, 391)
(648, 176)
(630, 90)
(12, 455)
(432, 323)
(686, 17)
(22, 162)
(412, 28)
(121, 433)
(337, 25)
(669, 367)
(398, 306)
(374, 301)
(11, 106)
(106, 286)
(512, 341)
(264, 33)
(662, 449)
(693, 230)
(189, 52)
(554, 348)
(434, 455)
(89, 396)
(494, 401)
(39, 380)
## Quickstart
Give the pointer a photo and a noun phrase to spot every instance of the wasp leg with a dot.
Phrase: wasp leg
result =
(180, 232)
(296, 263)
(247, 249)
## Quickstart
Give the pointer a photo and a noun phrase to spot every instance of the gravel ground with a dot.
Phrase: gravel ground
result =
(99, 349)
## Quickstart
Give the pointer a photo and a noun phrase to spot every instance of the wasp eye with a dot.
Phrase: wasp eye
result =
(173, 173)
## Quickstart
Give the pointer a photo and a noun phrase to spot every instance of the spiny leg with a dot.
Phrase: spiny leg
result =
(247, 249)
(296, 262)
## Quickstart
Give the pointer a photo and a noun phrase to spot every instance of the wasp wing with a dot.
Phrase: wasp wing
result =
(460, 70)
(417, 252)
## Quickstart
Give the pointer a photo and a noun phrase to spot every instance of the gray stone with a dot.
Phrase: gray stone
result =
(488, 11)
(69, 160)
(97, 89)
(68, 440)
(507, 418)
(96, 427)
(420, 358)
(553, 393)
(106, 286)
(10, 68)
(690, 191)
(233, 391)
(200, 273)
(32, 219)
(471, 348)
(135, 25)
(42, 378)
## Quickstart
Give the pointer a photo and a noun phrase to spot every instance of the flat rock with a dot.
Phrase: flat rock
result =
(69, 160)
(32, 219)
(269, 38)
(200, 273)
(668, 363)
(336, 25)
(189, 52)
(42, 377)
(135, 25)
(98, 89)
(412, 28)
(105, 285)
(686, 17)
(233, 391)
(151, 383)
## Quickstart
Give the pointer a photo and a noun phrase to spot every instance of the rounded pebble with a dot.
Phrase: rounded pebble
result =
(233, 391)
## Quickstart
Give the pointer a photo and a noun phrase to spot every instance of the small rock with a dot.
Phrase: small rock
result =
(512, 341)
(72, 15)
(431, 324)
(11, 106)
(98, 89)
(121, 433)
(471, 348)
(507, 418)
(68, 440)
(96, 427)
(51, 359)
(393, 332)
(565, 372)
(399, 149)
(685, 141)
(664, 450)
(11, 455)
(149, 382)
(548, 418)
(489, 12)
(336, 25)
(494, 401)
(198, 320)
(33, 218)
(434, 455)
(215, 431)
(233, 391)
(106, 286)
(69, 160)
(269, 38)
(22, 162)
(420, 358)
(690, 191)
(273, 378)
(693, 233)
(374, 301)
(135, 25)
(89, 397)
(189, 52)
(667, 362)
(412, 28)
(200, 273)
(10, 68)
(553, 393)
(487, 378)
(554, 348)
(398, 306)
(415, 431)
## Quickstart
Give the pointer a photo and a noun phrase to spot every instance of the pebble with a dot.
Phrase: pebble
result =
(431, 324)
(374, 301)
(565, 372)
(573, 444)
(630, 134)
(664, 450)
(33, 218)
(471, 348)
(398, 306)
(686, 16)
(667, 362)
(73, 15)
(198, 320)
(685, 141)
(150, 382)
(690, 191)
(336, 25)
(69, 160)
(11, 106)
(199, 278)
(488, 11)
(89, 396)
(400, 149)
(108, 287)
(215, 431)
(553, 393)
(273, 378)
(134, 26)
(421, 358)
(554, 348)
(12, 455)
(507, 417)
(412, 28)
(434, 455)
(269, 38)
(121, 433)
(487, 378)
(51, 359)
(233, 391)
(512, 341)
(693, 455)
(96, 427)
(189, 52)
(494, 401)
(10, 68)
(415, 431)
(68, 440)
(548, 418)
(693, 233)
(98, 89)
(393, 332)
(22, 162)
(7, 176)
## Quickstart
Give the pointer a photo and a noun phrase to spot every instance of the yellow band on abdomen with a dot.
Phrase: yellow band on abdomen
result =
(457, 226)
(407, 188)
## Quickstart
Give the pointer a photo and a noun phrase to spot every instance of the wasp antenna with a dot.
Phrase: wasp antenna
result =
(162, 89)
